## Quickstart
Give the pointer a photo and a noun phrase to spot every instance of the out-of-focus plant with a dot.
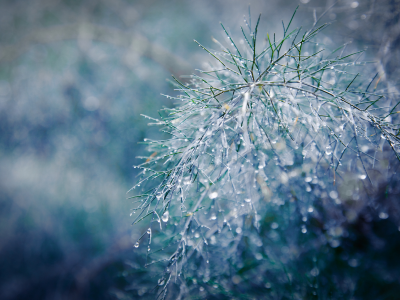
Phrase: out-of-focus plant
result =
(274, 153)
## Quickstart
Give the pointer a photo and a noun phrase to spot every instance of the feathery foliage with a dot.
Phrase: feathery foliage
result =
(272, 151)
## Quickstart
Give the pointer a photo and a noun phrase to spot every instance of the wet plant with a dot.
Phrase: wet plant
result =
(275, 151)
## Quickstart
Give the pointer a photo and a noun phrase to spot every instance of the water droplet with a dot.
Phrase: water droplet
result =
(314, 272)
(362, 176)
(308, 179)
(196, 235)
(383, 215)
(274, 225)
(165, 216)
(247, 200)
(161, 281)
(354, 4)
(333, 194)
(310, 209)
(149, 231)
(213, 217)
(335, 243)
(137, 245)
(303, 229)
(353, 262)
(213, 195)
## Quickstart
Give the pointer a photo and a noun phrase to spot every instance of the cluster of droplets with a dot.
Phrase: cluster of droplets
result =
(247, 155)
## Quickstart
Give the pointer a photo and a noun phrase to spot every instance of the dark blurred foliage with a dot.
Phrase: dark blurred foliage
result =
(75, 77)
(364, 266)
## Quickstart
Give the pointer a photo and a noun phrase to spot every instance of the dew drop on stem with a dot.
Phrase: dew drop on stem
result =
(213, 195)
(165, 217)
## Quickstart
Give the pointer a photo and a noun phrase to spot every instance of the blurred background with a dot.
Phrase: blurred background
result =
(75, 77)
